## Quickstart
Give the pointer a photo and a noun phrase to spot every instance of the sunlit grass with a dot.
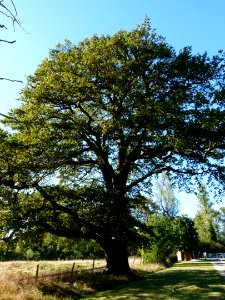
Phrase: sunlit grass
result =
(29, 267)
(189, 280)
(18, 278)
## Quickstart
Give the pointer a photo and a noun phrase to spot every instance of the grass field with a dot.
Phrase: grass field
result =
(187, 280)
(58, 279)
(19, 280)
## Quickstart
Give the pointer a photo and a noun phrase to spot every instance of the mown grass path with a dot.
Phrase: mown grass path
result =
(220, 267)
(187, 280)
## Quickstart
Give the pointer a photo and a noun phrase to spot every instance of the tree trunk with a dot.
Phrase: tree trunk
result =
(116, 257)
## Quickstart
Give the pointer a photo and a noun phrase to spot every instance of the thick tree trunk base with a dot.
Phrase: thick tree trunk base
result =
(117, 258)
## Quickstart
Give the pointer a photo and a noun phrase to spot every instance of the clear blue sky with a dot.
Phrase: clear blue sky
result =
(197, 23)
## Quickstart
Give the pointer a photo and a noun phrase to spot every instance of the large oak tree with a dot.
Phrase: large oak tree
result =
(97, 120)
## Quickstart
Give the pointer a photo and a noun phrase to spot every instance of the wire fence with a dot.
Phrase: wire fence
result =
(70, 274)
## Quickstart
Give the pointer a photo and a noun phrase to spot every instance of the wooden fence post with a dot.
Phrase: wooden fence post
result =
(36, 276)
(93, 275)
(93, 265)
(71, 274)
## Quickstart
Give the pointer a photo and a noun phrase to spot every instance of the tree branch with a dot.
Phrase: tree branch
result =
(5, 41)
(8, 117)
(12, 80)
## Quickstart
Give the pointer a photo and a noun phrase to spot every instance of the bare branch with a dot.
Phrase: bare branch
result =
(5, 41)
(11, 13)
(12, 80)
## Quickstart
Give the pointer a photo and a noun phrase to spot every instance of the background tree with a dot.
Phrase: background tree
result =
(165, 198)
(205, 221)
(49, 247)
(97, 120)
(220, 224)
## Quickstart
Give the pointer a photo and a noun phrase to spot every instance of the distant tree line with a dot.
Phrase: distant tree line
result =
(50, 247)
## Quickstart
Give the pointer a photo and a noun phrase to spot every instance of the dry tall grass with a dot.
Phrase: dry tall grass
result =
(58, 279)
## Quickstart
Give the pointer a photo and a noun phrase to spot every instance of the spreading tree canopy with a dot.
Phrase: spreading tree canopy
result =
(97, 120)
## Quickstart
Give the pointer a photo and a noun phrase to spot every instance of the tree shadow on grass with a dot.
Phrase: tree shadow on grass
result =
(190, 281)
(63, 286)
(58, 291)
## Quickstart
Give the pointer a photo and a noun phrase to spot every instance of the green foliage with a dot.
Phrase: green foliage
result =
(219, 224)
(209, 224)
(205, 222)
(170, 235)
(97, 120)
(49, 247)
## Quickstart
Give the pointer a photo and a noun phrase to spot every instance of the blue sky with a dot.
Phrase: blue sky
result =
(197, 23)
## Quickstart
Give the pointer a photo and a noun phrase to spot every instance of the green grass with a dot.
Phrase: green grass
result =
(188, 280)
